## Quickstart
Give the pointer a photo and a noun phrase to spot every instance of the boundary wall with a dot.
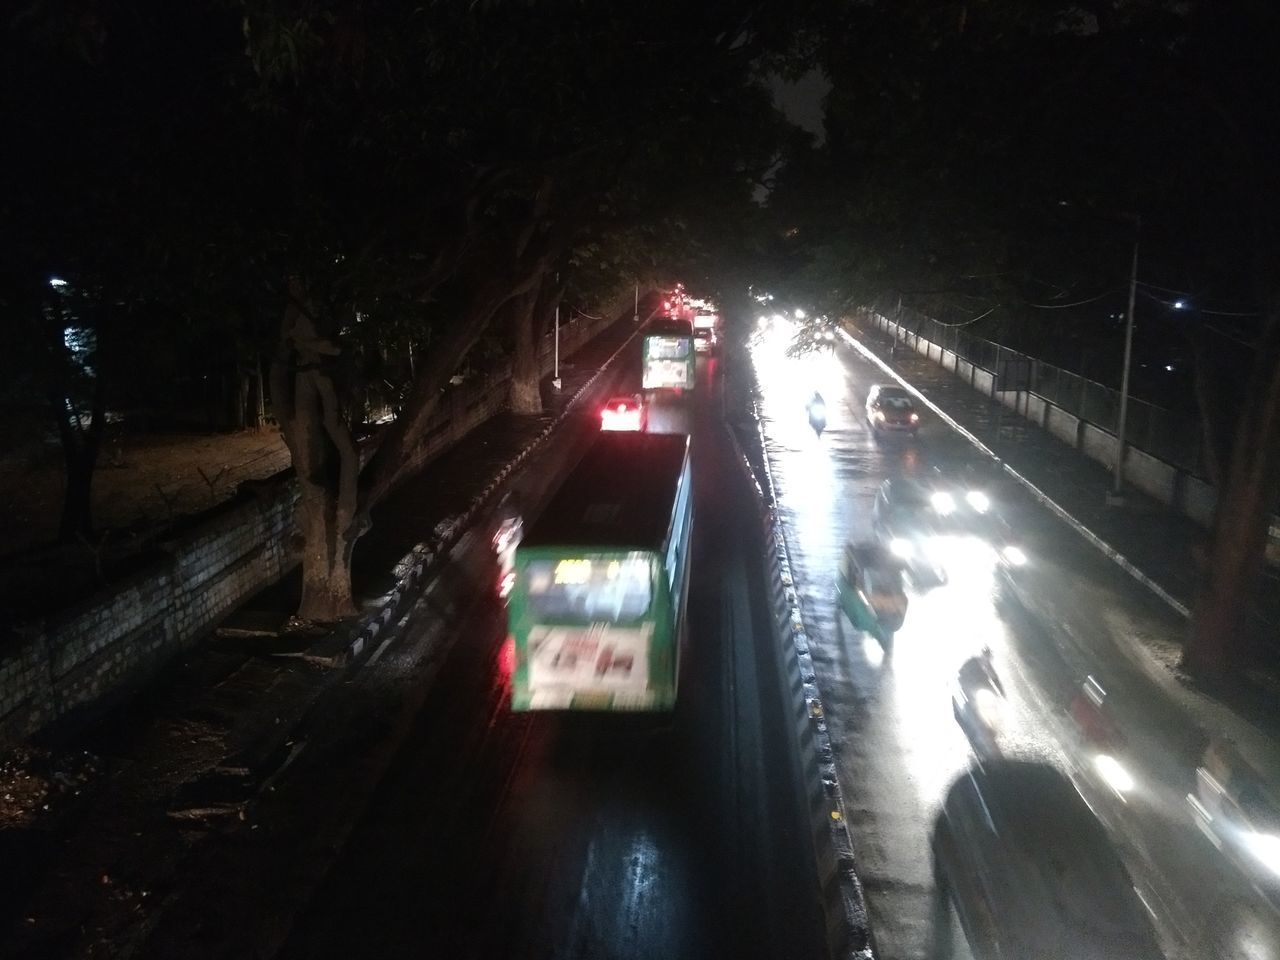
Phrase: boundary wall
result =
(1171, 485)
(109, 643)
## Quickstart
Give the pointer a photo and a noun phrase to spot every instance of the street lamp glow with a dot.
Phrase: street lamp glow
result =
(1179, 304)
(799, 314)
(57, 283)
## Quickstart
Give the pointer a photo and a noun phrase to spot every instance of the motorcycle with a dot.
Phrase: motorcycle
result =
(817, 415)
(978, 704)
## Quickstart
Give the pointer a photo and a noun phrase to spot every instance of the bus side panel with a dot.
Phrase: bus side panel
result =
(675, 585)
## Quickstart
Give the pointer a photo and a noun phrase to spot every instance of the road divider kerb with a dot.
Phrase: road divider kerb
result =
(1110, 552)
(848, 930)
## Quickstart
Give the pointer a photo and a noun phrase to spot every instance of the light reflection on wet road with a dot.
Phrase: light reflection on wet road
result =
(584, 835)
(898, 745)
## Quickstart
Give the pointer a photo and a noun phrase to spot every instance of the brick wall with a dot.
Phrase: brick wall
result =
(101, 648)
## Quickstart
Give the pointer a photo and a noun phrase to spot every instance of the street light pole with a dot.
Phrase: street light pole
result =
(555, 376)
(1116, 496)
(636, 318)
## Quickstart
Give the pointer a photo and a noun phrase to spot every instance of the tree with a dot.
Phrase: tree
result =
(577, 143)
(981, 158)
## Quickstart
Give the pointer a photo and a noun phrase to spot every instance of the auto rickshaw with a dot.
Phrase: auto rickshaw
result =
(870, 590)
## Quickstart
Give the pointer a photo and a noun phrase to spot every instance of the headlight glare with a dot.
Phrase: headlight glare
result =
(943, 503)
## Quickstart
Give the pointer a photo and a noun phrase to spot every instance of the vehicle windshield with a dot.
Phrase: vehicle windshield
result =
(668, 348)
(907, 499)
(881, 582)
(589, 589)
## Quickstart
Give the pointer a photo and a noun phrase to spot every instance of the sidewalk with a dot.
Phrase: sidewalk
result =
(190, 756)
(1159, 543)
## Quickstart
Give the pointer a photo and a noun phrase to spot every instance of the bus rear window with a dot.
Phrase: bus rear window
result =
(588, 589)
(668, 348)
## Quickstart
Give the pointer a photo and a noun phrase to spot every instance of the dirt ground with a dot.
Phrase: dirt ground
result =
(140, 487)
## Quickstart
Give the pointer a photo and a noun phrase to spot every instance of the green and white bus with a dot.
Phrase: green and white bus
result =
(669, 361)
(597, 612)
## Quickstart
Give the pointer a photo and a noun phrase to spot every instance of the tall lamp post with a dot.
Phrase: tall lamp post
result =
(1116, 495)
(555, 376)
(636, 317)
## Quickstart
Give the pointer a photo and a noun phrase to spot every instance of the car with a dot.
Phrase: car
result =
(890, 408)
(704, 340)
(626, 412)
(906, 518)
(1237, 810)
(1030, 871)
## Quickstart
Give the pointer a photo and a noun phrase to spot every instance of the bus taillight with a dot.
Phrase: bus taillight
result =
(507, 656)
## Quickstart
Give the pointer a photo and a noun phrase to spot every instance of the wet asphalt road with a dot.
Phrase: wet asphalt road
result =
(544, 835)
(898, 746)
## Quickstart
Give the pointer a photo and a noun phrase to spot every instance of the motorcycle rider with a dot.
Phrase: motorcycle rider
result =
(977, 705)
(979, 671)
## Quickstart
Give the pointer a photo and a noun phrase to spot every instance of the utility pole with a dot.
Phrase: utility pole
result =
(1116, 496)
(555, 377)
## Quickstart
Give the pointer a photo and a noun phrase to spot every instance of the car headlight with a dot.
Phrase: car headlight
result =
(1264, 847)
(942, 502)
(1121, 781)
(986, 704)
(978, 500)
(1014, 556)
(900, 547)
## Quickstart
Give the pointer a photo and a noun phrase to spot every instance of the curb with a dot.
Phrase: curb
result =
(1110, 552)
(848, 929)
(411, 569)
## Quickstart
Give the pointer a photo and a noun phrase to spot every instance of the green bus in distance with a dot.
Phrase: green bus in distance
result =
(597, 613)
(668, 358)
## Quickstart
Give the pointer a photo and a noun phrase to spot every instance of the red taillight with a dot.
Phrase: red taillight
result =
(620, 417)
(507, 656)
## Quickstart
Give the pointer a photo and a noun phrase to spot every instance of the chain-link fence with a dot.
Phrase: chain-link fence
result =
(1160, 432)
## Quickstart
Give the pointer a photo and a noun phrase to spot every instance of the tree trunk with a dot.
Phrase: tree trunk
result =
(259, 409)
(328, 543)
(1216, 643)
(526, 370)
(77, 500)
(80, 445)
(325, 459)
(239, 397)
